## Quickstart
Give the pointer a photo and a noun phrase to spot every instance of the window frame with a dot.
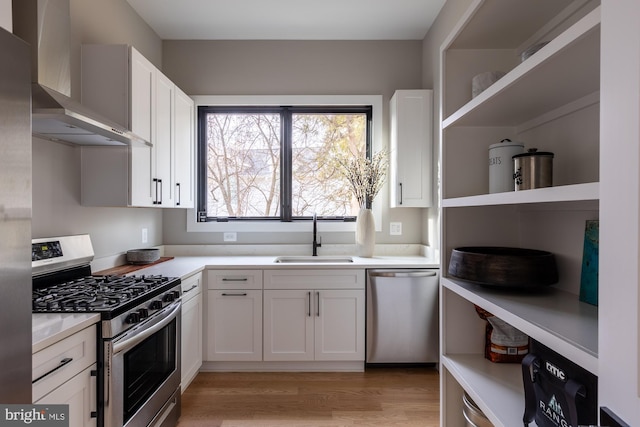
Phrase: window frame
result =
(286, 113)
(267, 224)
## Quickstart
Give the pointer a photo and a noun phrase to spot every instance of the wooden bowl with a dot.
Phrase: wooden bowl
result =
(504, 267)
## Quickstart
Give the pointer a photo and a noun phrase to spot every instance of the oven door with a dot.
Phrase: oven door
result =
(142, 373)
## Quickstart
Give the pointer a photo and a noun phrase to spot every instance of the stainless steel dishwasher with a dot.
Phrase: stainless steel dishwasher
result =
(402, 316)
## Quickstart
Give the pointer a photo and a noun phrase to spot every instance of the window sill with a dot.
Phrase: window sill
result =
(274, 226)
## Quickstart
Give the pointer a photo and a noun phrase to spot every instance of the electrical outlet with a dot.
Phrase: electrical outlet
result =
(145, 235)
(395, 228)
(230, 236)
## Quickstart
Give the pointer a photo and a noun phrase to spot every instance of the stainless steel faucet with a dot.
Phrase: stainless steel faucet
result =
(316, 242)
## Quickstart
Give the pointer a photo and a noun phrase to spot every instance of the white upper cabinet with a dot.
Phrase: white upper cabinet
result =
(183, 150)
(162, 139)
(141, 82)
(411, 149)
(121, 84)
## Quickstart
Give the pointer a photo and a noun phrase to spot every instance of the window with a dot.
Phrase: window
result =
(278, 163)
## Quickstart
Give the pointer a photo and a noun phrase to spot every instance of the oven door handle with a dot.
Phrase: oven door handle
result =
(158, 322)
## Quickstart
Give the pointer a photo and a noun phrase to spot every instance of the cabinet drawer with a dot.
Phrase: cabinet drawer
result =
(314, 279)
(191, 287)
(61, 361)
(234, 279)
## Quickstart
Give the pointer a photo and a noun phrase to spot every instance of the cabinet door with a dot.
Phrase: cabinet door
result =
(183, 150)
(339, 324)
(234, 325)
(288, 325)
(80, 394)
(411, 148)
(191, 339)
(142, 81)
(163, 133)
(141, 190)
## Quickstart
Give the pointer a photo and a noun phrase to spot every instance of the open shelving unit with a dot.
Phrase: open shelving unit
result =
(549, 101)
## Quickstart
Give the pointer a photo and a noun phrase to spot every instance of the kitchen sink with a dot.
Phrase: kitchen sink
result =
(313, 259)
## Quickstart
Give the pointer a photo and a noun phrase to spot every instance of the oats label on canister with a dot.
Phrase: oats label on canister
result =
(501, 165)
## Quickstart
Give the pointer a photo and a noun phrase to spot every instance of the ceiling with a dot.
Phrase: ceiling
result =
(289, 19)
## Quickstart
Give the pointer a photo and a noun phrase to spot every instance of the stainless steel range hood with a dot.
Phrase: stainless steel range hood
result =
(56, 116)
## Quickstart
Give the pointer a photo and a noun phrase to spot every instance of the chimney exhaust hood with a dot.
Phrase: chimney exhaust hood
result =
(55, 115)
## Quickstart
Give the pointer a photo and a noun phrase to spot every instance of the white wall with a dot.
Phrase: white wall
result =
(442, 26)
(619, 277)
(296, 68)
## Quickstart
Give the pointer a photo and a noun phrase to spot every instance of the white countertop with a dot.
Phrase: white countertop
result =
(49, 328)
(185, 266)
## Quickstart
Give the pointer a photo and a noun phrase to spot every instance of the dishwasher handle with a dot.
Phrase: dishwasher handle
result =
(420, 273)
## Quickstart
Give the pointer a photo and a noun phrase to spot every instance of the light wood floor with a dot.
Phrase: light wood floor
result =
(389, 397)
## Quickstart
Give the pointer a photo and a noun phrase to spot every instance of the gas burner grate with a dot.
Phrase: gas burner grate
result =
(94, 293)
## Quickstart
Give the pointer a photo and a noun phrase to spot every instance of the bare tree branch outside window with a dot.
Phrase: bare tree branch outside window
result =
(244, 163)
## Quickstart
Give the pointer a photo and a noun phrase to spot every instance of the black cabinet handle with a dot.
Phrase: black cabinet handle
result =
(160, 202)
(190, 289)
(225, 279)
(62, 363)
(179, 195)
(309, 304)
(244, 294)
(317, 304)
(400, 193)
(155, 196)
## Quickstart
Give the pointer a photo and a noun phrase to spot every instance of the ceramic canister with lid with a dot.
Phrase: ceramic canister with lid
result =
(533, 169)
(501, 165)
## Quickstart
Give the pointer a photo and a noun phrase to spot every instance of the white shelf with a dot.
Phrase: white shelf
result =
(491, 25)
(561, 72)
(553, 317)
(550, 100)
(564, 193)
(495, 387)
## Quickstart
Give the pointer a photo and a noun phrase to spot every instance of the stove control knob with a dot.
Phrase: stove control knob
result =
(132, 318)
(168, 297)
(156, 305)
(144, 313)
(176, 295)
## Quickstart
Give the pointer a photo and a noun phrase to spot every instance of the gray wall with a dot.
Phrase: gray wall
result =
(56, 167)
(296, 68)
(449, 15)
(216, 67)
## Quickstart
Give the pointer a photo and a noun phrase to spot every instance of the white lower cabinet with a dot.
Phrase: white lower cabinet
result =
(80, 394)
(314, 315)
(234, 316)
(191, 356)
(65, 373)
(257, 319)
(303, 325)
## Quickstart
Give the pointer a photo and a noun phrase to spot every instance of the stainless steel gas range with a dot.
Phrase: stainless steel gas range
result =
(139, 338)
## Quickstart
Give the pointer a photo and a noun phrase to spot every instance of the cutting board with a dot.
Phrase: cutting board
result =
(129, 268)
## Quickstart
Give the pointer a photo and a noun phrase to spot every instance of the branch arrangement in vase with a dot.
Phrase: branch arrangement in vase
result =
(366, 176)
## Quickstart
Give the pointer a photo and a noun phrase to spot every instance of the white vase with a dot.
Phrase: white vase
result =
(365, 233)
